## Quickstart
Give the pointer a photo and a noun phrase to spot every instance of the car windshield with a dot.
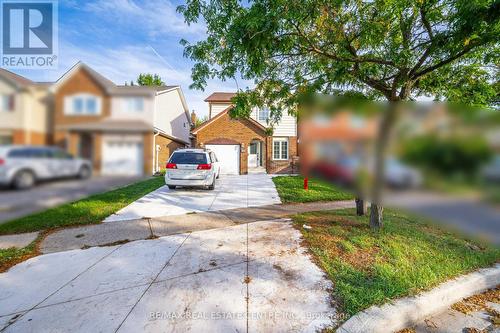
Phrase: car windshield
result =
(188, 158)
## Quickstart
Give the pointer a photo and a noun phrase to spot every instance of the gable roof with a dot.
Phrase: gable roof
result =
(109, 86)
(101, 80)
(220, 97)
(17, 80)
(218, 116)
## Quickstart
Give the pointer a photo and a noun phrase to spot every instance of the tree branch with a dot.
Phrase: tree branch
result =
(444, 62)
(426, 24)
(315, 49)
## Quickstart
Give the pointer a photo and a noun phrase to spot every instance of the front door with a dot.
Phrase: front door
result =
(254, 155)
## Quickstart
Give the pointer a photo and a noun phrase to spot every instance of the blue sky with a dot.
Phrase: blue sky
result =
(122, 38)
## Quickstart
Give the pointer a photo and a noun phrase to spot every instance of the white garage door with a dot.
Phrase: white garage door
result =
(228, 156)
(122, 158)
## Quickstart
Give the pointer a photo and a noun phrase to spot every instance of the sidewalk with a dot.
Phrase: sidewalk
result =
(124, 231)
(478, 313)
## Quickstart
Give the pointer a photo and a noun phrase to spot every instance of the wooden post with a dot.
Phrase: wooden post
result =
(306, 183)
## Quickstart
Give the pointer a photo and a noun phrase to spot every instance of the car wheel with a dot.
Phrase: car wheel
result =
(23, 180)
(212, 187)
(84, 172)
(172, 187)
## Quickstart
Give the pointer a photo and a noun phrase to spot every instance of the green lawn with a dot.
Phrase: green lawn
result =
(12, 256)
(291, 189)
(405, 257)
(90, 210)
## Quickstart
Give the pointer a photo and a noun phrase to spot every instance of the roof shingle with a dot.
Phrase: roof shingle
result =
(220, 97)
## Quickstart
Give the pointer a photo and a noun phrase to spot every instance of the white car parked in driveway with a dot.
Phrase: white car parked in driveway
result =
(192, 167)
(22, 166)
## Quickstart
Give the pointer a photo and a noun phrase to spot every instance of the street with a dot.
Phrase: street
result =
(15, 204)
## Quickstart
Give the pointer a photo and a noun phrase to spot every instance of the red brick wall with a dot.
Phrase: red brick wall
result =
(282, 166)
(242, 131)
(20, 137)
(168, 146)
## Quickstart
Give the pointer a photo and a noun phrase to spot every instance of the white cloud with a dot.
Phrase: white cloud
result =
(125, 64)
(155, 16)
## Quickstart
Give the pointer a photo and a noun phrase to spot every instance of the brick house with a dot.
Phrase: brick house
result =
(127, 130)
(244, 145)
(123, 130)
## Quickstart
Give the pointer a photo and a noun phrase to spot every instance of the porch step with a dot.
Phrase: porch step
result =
(257, 170)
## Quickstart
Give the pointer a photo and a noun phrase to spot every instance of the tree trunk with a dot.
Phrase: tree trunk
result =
(382, 141)
(376, 216)
(360, 207)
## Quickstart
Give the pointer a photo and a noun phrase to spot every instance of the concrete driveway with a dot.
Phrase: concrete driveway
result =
(230, 192)
(14, 204)
(254, 277)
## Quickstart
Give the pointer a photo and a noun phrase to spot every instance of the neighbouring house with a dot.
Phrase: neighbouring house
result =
(341, 134)
(24, 110)
(124, 130)
(246, 144)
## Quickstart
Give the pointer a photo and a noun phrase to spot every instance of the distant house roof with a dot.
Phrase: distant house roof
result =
(220, 97)
(18, 80)
(146, 90)
(110, 86)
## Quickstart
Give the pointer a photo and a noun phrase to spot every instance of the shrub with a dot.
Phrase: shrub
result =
(449, 155)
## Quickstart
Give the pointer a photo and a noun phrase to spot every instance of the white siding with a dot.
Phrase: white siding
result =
(170, 115)
(286, 127)
(218, 108)
(12, 119)
(119, 109)
(30, 109)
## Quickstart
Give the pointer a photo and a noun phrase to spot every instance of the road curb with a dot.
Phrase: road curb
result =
(405, 312)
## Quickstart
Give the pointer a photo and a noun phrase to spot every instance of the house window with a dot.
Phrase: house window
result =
(7, 103)
(264, 114)
(135, 104)
(78, 105)
(280, 149)
(82, 104)
(5, 139)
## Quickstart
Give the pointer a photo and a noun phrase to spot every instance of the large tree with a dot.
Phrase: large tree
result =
(392, 50)
(146, 79)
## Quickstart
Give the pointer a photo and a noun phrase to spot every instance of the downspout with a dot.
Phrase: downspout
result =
(155, 152)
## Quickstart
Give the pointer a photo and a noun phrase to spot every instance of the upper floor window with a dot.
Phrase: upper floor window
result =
(134, 104)
(83, 104)
(7, 102)
(264, 114)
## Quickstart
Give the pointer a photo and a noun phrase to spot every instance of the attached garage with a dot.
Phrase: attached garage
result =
(230, 139)
(228, 156)
(122, 157)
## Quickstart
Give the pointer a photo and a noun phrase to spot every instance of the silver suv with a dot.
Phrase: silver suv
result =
(192, 167)
(22, 166)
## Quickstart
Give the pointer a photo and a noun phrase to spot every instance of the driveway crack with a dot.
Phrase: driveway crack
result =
(64, 285)
(150, 284)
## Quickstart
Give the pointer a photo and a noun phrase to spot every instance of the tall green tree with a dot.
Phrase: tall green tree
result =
(392, 50)
(146, 79)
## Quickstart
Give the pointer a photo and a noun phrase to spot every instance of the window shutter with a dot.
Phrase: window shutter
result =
(68, 107)
(11, 102)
